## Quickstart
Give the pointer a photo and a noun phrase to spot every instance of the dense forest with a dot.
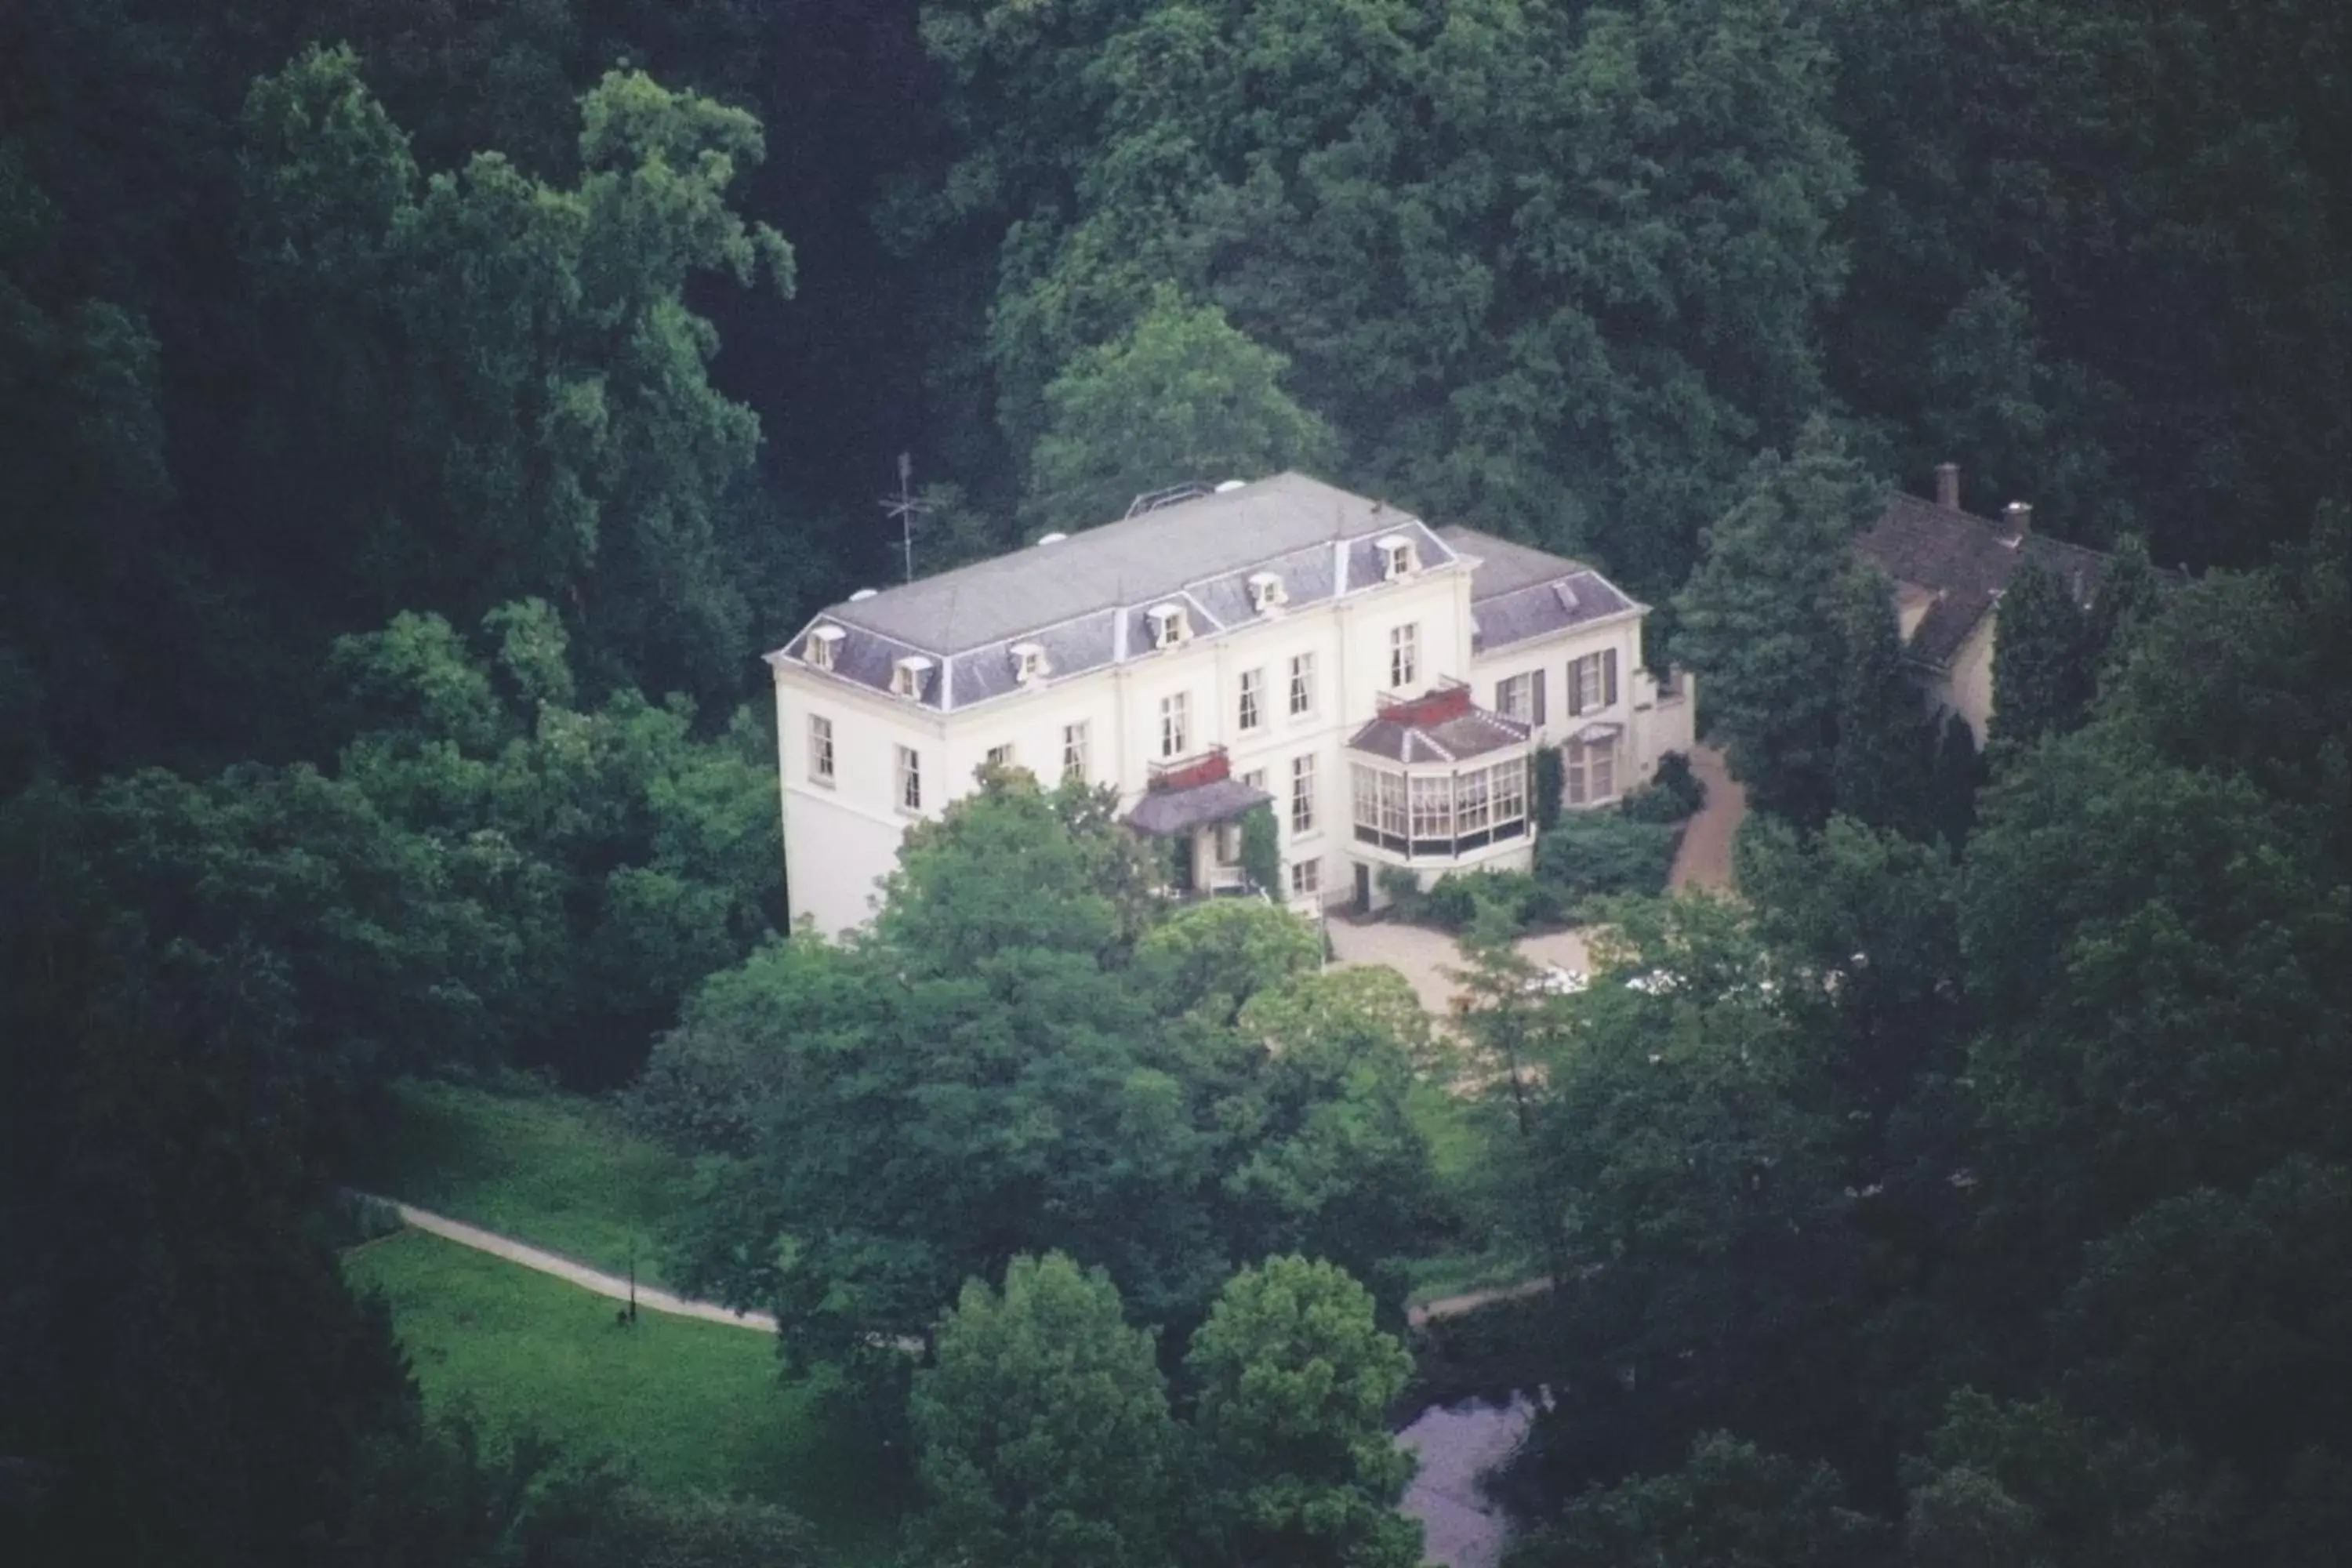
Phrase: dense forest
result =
(416, 416)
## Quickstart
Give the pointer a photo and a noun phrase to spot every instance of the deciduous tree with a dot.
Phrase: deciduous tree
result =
(1884, 739)
(1041, 1430)
(1759, 619)
(1293, 1382)
(1731, 1505)
(1183, 397)
(2044, 666)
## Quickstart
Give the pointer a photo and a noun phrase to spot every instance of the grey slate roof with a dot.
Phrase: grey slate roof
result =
(1177, 810)
(1458, 738)
(1517, 591)
(1086, 599)
(1966, 561)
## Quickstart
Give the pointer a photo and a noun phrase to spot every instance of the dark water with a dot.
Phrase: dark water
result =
(1457, 1443)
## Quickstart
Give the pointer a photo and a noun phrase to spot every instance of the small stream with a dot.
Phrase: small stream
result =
(1458, 1443)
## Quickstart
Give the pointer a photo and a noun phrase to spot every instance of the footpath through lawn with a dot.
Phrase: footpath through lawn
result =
(555, 1170)
(689, 1404)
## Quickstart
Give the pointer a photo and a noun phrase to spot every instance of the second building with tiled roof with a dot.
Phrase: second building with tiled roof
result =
(1949, 568)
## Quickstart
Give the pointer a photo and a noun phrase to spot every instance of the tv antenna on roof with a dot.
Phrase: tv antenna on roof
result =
(905, 506)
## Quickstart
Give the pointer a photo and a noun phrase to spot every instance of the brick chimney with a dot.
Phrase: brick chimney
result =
(2019, 516)
(1947, 486)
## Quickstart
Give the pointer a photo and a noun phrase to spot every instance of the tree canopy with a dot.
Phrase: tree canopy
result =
(1008, 1066)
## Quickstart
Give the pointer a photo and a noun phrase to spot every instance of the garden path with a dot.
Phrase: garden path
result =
(564, 1269)
(1704, 860)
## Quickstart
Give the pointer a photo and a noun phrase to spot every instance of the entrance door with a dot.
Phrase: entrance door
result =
(1180, 871)
(1364, 888)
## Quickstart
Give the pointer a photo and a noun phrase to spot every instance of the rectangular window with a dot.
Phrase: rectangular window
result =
(1302, 794)
(1392, 818)
(1509, 788)
(1470, 800)
(1175, 725)
(1593, 682)
(1254, 779)
(1432, 808)
(1000, 756)
(1591, 772)
(910, 779)
(1365, 792)
(1229, 844)
(820, 749)
(1306, 878)
(1074, 751)
(1253, 711)
(1404, 655)
(1516, 697)
(1302, 685)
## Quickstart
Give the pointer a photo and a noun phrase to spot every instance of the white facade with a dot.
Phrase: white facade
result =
(1313, 671)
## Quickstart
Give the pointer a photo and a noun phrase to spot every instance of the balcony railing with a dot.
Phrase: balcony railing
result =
(1445, 699)
(1189, 772)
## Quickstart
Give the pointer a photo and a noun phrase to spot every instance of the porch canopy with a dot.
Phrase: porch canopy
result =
(1197, 792)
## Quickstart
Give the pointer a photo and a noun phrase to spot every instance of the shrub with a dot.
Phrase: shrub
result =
(1452, 903)
(1262, 850)
(1548, 781)
(1594, 854)
(1402, 889)
(1675, 794)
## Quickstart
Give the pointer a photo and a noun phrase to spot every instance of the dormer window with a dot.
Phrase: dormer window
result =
(910, 677)
(1266, 592)
(1170, 627)
(821, 644)
(1398, 557)
(1028, 662)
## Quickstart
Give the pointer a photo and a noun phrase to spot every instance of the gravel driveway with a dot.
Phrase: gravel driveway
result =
(1705, 858)
(1423, 956)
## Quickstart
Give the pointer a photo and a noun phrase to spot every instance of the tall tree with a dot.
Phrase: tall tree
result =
(1884, 739)
(1004, 1066)
(1954, 778)
(1182, 397)
(626, 857)
(1294, 1381)
(2129, 593)
(2044, 668)
(1688, 1134)
(1758, 619)
(2128, 883)
(184, 1376)
(1041, 1430)
(1425, 207)
(2114, 216)
(556, 431)
(1731, 1504)
(2022, 429)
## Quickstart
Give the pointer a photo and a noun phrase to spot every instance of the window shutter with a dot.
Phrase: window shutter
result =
(1575, 688)
(1609, 678)
(1537, 710)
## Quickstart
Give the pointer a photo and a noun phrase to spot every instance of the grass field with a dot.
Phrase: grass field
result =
(552, 1169)
(1460, 1154)
(690, 1404)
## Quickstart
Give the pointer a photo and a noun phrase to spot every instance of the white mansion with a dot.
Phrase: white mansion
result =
(1383, 684)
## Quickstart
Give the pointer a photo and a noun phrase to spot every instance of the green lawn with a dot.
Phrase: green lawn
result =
(1461, 1154)
(690, 1404)
(552, 1169)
